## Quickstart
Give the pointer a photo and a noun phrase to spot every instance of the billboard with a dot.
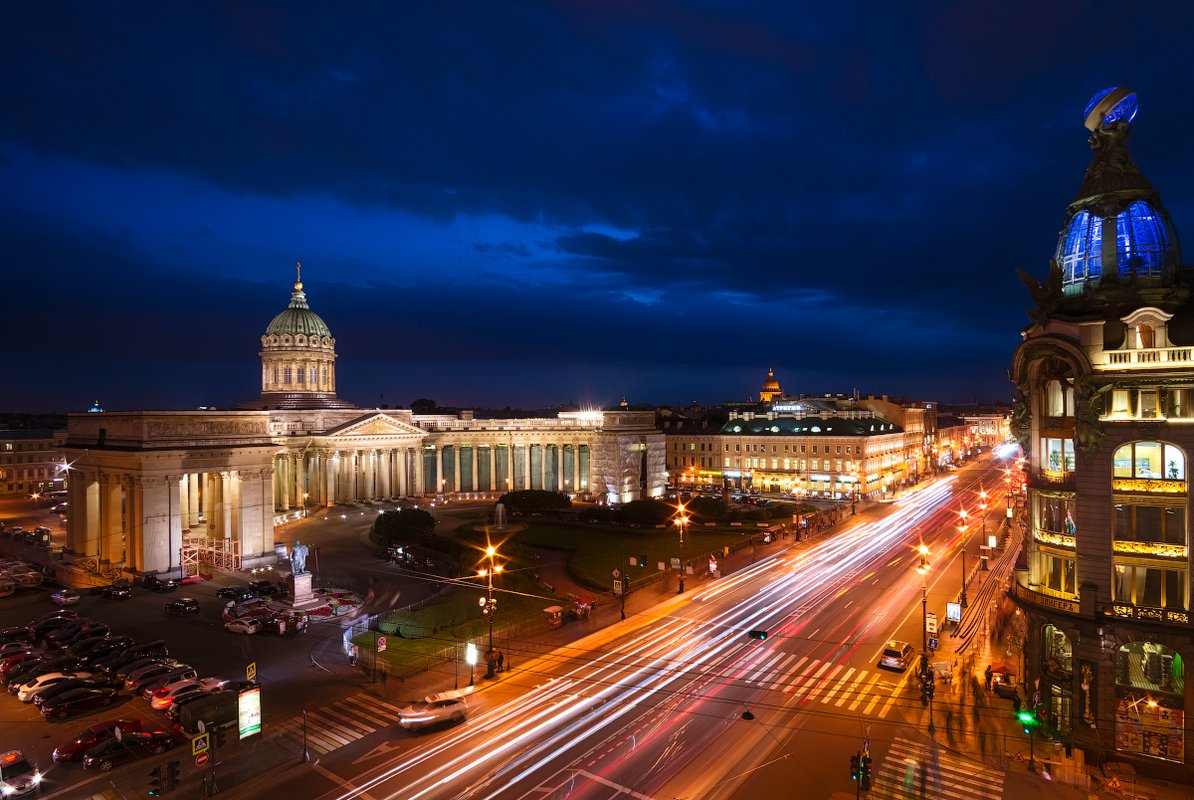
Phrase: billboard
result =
(249, 708)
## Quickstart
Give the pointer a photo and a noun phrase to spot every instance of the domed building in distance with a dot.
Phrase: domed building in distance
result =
(1105, 405)
(156, 492)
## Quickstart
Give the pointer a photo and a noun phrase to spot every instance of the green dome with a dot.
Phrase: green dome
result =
(298, 318)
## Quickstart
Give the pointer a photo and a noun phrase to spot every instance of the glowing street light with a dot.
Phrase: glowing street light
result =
(681, 521)
(965, 540)
(488, 604)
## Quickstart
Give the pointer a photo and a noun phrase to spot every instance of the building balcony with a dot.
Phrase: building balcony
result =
(1148, 485)
(1055, 539)
(1148, 358)
(1150, 549)
(1023, 592)
(1051, 479)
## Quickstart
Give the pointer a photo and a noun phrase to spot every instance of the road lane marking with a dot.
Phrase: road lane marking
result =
(801, 678)
(810, 686)
(869, 687)
(789, 681)
(837, 686)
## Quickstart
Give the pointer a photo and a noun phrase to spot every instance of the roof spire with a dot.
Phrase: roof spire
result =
(298, 276)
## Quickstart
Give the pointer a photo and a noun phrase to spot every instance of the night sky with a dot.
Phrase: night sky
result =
(533, 204)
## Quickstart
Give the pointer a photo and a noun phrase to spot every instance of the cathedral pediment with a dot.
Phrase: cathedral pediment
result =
(375, 425)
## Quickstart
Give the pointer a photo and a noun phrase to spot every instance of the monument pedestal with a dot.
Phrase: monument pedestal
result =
(300, 591)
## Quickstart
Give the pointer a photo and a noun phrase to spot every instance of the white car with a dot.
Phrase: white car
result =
(28, 690)
(180, 675)
(164, 697)
(65, 597)
(243, 625)
(436, 709)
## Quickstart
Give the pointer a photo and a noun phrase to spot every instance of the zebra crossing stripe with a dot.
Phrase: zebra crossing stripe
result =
(831, 676)
(762, 668)
(866, 691)
(798, 679)
(842, 684)
(370, 708)
(946, 774)
(330, 729)
(779, 670)
(845, 695)
(816, 683)
(346, 719)
(372, 700)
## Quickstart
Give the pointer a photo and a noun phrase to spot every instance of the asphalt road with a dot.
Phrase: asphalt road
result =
(682, 702)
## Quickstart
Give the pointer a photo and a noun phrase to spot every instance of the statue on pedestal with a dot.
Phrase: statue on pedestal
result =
(298, 557)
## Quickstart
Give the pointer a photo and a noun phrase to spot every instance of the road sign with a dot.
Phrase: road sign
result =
(931, 622)
(251, 671)
(200, 743)
(617, 573)
(617, 588)
(866, 746)
(933, 643)
(201, 759)
(381, 644)
(1036, 699)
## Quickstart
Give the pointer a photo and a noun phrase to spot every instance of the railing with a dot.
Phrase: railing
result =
(1153, 549)
(1149, 485)
(1149, 357)
(1055, 539)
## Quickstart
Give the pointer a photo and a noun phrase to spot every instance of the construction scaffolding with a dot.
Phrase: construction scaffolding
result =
(200, 555)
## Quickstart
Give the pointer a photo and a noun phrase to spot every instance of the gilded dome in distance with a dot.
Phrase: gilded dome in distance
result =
(770, 388)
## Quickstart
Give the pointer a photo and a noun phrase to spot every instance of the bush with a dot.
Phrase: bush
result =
(401, 526)
(534, 501)
(708, 509)
(644, 512)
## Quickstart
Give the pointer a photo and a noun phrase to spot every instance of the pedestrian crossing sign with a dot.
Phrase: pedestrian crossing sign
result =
(933, 644)
(200, 743)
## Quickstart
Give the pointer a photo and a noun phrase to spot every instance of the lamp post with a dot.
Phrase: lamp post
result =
(489, 605)
(965, 539)
(926, 695)
(681, 521)
(305, 496)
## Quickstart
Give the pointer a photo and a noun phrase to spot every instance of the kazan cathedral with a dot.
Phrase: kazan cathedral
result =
(157, 492)
(1104, 410)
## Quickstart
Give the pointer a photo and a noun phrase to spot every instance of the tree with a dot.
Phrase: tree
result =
(424, 405)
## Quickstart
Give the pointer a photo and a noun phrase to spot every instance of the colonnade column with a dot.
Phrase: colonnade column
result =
(251, 516)
(193, 502)
(439, 470)
(457, 451)
(111, 520)
(329, 479)
(476, 471)
(184, 500)
(77, 521)
(226, 505)
(561, 487)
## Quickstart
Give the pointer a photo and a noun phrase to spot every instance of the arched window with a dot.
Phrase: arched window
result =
(1057, 654)
(1146, 337)
(1151, 460)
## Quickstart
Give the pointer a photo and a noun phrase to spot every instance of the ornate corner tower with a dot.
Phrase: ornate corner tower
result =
(298, 359)
(1104, 412)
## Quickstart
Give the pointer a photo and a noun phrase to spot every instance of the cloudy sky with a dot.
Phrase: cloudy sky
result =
(531, 204)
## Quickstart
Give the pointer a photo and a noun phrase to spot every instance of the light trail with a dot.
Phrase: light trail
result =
(660, 664)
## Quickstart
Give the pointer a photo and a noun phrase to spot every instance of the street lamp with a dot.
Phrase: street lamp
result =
(488, 604)
(305, 496)
(681, 521)
(926, 696)
(965, 539)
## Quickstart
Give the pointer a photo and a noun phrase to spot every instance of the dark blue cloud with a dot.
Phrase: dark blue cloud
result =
(527, 204)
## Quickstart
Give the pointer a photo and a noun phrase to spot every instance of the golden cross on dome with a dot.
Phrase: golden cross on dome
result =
(298, 276)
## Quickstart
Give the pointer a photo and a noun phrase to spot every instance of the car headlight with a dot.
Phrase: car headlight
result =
(9, 790)
(36, 778)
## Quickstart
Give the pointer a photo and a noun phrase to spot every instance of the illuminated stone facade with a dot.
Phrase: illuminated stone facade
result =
(1105, 402)
(148, 487)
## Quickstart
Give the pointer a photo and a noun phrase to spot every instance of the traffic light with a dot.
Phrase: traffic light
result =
(1027, 720)
(865, 775)
(172, 770)
(219, 735)
(760, 635)
(855, 767)
(642, 561)
(930, 689)
(155, 782)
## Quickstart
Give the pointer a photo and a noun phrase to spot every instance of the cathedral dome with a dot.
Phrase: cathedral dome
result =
(298, 318)
(770, 388)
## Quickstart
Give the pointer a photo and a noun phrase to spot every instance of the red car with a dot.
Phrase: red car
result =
(89, 738)
(12, 664)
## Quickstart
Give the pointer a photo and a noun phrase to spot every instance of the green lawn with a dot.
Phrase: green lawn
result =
(596, 550)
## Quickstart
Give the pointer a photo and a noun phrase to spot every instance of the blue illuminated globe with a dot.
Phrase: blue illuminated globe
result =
(1114, 104)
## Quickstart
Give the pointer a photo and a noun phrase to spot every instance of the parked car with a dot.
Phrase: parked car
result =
(76, 748)
(129, 747)
(163, 696)
(434, 710)
(78, 700)
(243, 625)
(48, 694)
(139, 679)
(117, 661)
(238, 594)
(27, 690)
(88, 631)
(182, 697)
(118, 591)
(213, 705)
(136, 664)
(267, 588)
(16, 648)
(108, 646)
(39, 668)
(13, 664)
(182, 606)
(17, 776)
(160, 584)
(896, 655)
(80, 647)
(16, 633)
(65, 597)
(68, 629)
(184, 673)
(58, 613)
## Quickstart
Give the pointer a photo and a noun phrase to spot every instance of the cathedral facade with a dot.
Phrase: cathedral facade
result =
(157, 492)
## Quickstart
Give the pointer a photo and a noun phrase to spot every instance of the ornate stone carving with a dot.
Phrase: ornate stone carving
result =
(1021, 421)
(1088, 432)
(1046, 295)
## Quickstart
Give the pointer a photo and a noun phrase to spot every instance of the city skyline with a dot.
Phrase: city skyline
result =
(551, 204)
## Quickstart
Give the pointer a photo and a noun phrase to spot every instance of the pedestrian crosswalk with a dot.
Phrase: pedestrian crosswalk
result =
(333, 726)
(916, 769)
(810, 680)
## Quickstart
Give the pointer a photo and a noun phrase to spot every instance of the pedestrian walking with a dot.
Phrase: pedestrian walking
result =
(988, 677)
